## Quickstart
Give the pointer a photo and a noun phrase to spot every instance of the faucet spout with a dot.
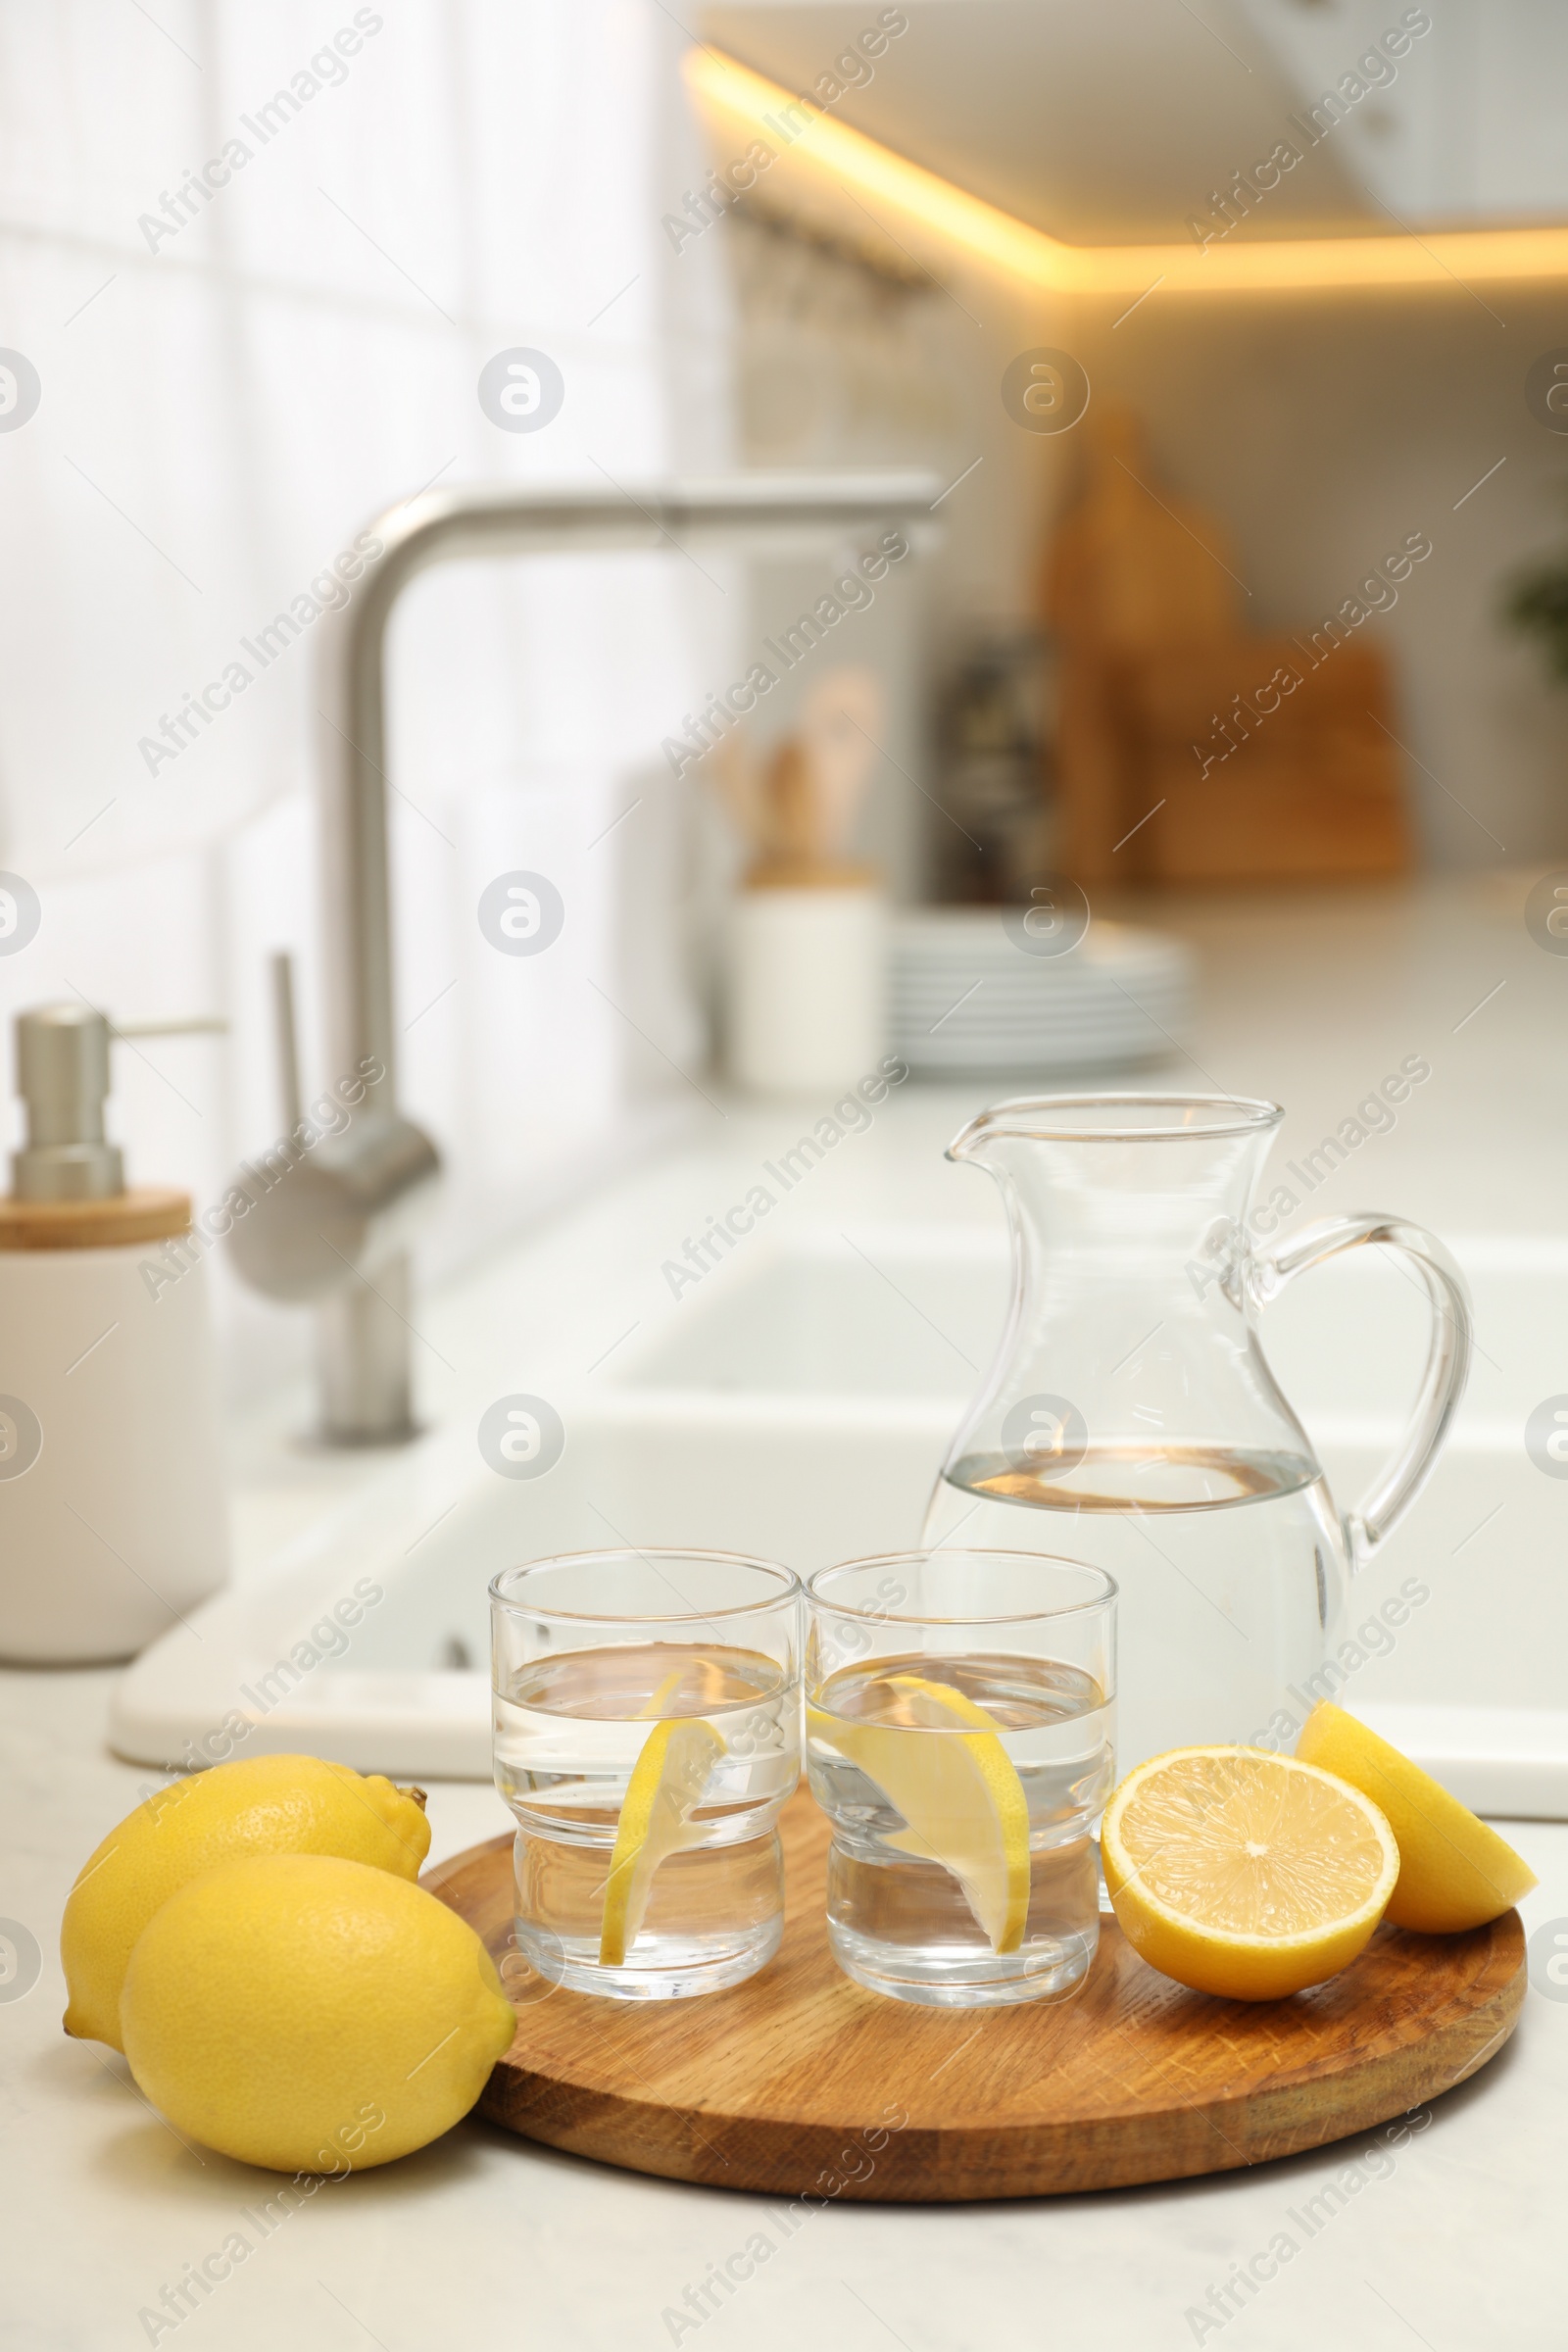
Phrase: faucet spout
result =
(363, 1351)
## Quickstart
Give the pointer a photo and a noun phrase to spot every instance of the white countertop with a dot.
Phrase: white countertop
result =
(487, 2236)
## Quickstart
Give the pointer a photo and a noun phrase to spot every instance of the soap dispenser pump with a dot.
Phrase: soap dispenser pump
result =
(63, 1078)
(113, 1518)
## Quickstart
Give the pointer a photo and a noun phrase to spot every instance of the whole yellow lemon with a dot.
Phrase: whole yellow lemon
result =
(312, 2015)
(259, 1806)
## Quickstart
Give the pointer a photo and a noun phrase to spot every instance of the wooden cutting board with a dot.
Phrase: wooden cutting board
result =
(800, 2082)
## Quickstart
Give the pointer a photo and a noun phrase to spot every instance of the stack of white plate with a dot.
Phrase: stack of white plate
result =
(968, 992)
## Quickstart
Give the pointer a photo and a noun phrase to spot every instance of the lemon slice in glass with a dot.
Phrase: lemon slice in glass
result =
(939, 1762)
(1243, 1873)
(663, 1791)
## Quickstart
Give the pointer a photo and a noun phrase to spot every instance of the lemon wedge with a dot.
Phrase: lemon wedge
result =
(1243, 1873)
(961, 1796)
(1454, 1872)
(666, 1787)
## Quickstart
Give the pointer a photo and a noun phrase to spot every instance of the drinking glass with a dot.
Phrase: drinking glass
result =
(960, 1735)
(647, 1735)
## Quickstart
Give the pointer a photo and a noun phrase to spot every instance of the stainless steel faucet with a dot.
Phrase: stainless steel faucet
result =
(330, 1221)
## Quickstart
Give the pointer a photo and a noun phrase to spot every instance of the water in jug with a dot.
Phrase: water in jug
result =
(1131, 1419)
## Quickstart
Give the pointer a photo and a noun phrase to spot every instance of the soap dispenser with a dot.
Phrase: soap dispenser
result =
(113, 1515)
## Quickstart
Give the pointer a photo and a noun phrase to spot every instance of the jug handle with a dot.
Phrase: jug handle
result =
(1447, 1365)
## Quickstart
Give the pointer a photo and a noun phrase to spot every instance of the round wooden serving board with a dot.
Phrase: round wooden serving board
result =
(801, 2081)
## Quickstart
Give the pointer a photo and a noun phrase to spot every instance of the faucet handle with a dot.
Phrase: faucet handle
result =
(285, 1030)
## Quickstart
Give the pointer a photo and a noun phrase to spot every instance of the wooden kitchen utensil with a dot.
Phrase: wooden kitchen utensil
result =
(1191, 750)
(798, 2082)
(797, 809)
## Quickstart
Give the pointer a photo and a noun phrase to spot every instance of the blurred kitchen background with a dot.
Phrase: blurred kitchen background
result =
(232, 384)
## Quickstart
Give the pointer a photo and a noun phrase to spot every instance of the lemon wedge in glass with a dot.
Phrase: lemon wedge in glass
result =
(1243, 1873)
(939, 1762)
(663, 1791)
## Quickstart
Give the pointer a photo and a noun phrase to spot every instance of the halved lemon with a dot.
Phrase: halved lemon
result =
(1242, 1874)
(666, 1787)
(938, 1760)
(1454, 1872)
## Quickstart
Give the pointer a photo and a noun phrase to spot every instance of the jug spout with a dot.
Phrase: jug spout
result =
(970, 1142)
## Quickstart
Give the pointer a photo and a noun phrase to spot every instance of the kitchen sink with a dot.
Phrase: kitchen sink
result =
(798, 1408)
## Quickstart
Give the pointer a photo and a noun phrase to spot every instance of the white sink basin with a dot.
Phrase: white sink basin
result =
(798, 1408)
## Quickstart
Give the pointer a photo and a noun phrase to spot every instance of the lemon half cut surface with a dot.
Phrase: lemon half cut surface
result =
(940, 1763)
(666, 1787)
(1243, 1873)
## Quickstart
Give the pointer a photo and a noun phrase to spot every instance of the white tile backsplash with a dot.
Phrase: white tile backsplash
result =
(219, 416)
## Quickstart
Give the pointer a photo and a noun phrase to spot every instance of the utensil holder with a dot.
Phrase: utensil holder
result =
(807, 997)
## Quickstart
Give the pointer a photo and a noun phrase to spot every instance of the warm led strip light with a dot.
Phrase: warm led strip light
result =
(877, 174)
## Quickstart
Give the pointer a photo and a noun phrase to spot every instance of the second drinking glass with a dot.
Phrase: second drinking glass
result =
(960, 1735)
(647, 1735)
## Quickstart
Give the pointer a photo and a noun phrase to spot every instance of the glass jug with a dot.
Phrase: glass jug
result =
(1131, 1420)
